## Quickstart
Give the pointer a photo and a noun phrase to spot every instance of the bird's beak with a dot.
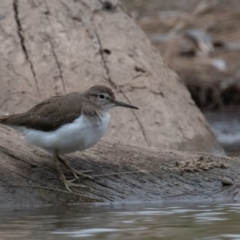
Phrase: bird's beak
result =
(122, 104)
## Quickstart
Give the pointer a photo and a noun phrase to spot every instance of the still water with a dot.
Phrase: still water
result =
(209, 222)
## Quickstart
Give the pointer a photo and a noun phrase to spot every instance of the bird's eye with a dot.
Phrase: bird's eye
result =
(101, 96)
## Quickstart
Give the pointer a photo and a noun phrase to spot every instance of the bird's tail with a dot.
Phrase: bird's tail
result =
(18, 119)
(12, 121)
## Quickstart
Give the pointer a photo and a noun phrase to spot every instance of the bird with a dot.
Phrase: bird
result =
(67, 123)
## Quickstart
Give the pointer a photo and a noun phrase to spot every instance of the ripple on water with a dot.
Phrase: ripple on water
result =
(93, 231)
(209, 217)
(231, 236)
(210, 222)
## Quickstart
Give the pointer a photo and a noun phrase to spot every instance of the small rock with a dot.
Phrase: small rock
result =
(212, 165)
(188, 169)
(186, 164)
(226, 181)
(224, 165)
(180, 163)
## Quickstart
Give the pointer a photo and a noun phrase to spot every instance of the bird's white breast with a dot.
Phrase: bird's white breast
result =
(76, 136)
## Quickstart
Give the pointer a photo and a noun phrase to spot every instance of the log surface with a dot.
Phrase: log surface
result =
(122, 173)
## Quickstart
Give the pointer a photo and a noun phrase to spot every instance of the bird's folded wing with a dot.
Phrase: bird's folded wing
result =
(49, 114)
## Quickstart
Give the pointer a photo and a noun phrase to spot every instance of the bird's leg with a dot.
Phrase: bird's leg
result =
(62, 176)
(75, 172)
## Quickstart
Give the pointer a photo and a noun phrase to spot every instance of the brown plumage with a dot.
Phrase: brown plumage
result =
(52, 113)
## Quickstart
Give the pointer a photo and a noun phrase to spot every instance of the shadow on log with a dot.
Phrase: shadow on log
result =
(121, 173)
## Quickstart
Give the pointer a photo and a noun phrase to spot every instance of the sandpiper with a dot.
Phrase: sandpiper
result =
(68, 123)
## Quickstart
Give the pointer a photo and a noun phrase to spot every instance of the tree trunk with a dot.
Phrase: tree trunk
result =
(121, 173)
(58, 46)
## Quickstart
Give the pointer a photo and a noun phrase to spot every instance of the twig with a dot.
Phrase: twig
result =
(121, 173)
(110, 174)
(213, 155)
(51, 189)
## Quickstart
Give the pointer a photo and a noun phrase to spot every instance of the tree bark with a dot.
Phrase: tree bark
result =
(121, 173)
(58, 46)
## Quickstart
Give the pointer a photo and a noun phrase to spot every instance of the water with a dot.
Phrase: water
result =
(226, 126)
(212, 222)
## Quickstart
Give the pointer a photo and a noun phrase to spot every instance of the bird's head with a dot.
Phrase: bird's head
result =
(104, 97)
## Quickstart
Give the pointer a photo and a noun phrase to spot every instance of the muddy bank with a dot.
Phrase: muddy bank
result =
(121, 173)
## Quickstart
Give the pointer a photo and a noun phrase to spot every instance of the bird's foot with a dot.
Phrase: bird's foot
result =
(69, 183)
(77, 173)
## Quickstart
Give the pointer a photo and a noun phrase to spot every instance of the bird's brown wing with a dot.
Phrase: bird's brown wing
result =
(49, 114)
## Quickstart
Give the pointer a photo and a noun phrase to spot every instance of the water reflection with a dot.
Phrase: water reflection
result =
(119, 222)
(225, 125)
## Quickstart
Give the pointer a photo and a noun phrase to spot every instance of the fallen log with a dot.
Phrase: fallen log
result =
(121, 173)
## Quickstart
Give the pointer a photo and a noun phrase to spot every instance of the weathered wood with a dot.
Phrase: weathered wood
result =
(58, 46)
(122, 173)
